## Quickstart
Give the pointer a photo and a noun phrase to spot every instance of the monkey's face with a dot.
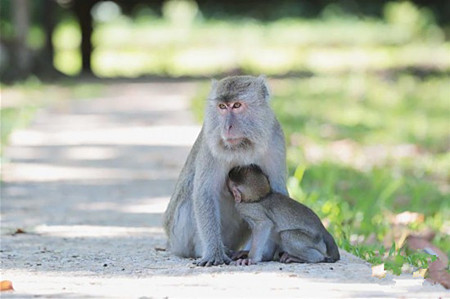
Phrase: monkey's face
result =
(248, 183)
(238, 113)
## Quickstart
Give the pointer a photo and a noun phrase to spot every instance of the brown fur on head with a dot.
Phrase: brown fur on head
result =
(248, 183)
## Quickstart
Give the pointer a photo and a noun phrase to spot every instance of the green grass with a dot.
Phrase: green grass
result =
(363, 148)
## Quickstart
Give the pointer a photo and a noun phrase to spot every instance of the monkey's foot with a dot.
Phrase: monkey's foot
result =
(286, 258)
(245, 262)
(240, 254)
(214, 260)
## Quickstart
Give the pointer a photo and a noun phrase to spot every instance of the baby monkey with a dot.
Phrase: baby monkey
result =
(295, 228)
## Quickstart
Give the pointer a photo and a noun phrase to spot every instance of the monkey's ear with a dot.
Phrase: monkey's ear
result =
(264, 88)
(212, 93)
(236, 194)
(214, 83)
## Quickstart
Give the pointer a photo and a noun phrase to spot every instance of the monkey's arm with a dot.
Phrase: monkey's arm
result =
(206, 198)
(263, 243)
(261, 234)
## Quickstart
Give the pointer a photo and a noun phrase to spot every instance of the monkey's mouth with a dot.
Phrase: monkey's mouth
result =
(234, 141)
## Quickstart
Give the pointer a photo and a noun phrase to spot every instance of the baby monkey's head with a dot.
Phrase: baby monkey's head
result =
(248, 183)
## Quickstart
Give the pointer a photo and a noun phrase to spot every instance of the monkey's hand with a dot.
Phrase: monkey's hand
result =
(214, 259)
(240, 254)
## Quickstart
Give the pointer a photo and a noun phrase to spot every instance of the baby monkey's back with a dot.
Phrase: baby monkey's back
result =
(302, 235)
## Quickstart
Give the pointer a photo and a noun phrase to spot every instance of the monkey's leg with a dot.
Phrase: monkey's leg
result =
(261, 233)
(183, 239)
(206, 198)
(287, 258)
(180, 226)
(302, 247)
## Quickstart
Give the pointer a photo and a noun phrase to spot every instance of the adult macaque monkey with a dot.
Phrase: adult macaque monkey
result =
(239, 128)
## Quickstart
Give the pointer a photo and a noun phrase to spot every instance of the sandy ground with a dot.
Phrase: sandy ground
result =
(88, 182)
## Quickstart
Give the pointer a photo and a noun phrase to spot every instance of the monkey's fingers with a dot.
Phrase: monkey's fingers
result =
(240, 254)
(215, 261)
(245, 262)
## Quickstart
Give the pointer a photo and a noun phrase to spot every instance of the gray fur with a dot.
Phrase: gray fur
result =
(276, 218)
(201, 219)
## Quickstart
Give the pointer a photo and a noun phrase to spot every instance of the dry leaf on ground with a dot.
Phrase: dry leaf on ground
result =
(19, 231)
(6, 285)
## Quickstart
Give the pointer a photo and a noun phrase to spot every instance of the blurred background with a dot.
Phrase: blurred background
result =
(362, 89)
(208, 37)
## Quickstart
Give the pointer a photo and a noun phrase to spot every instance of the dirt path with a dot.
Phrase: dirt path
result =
(88, 182)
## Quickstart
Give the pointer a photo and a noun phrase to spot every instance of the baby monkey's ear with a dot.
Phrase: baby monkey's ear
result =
(236, 194)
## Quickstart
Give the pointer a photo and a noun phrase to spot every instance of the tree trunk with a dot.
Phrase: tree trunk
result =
(22, 56)
(44, 62)
(83, 12)
(48, 22)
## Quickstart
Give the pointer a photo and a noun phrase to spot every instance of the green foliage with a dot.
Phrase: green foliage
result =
(67, 40)
(358, 193)
(182, 43)
(394, 259)
(357, 207)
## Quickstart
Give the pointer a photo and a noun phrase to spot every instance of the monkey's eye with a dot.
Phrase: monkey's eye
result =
(222, 106)
(237, 105)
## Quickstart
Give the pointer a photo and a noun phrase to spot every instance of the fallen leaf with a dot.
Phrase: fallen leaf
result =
(6, 285)
(19, 231)
(378, 271)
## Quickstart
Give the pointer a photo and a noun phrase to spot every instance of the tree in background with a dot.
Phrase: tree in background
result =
(19, 59)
